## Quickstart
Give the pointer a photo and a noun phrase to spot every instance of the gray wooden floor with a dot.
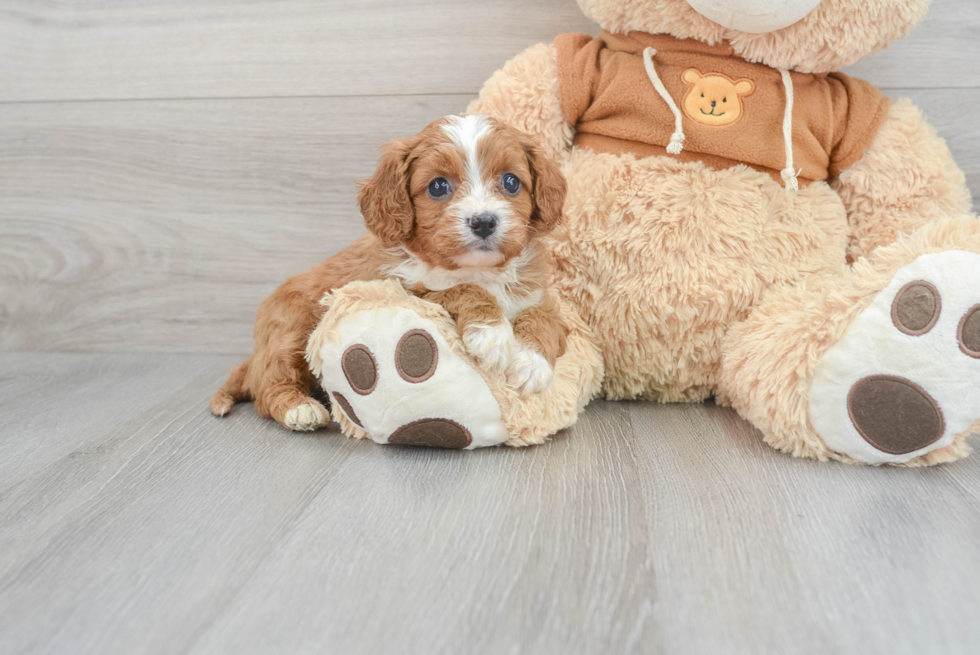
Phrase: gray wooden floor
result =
(163, 165)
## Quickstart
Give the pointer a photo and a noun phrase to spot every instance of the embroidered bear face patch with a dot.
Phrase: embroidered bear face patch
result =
(714, 99)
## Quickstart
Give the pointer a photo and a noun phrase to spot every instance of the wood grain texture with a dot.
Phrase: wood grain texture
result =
(940, 53)
(223, 48)
(161, 225)
(164, 165)
(643, 529)
(767, 554)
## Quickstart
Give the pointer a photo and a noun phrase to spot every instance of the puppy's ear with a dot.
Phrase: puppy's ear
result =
(384, 198)
(549, 188)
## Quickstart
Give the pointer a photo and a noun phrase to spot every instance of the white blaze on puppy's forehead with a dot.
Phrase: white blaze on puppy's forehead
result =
(465, 132)
(477, 192)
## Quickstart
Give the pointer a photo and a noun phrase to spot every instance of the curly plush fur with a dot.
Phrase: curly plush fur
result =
(770, 359)
(530, 419)
(836, 34)
(698, 282)
(680, 281)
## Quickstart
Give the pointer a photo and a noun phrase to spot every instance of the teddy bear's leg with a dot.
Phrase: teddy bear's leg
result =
(524, 94)
(905, 179)
(397, 372)
(880, 365)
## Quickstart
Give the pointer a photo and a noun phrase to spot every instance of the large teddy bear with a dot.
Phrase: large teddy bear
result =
(742, 222)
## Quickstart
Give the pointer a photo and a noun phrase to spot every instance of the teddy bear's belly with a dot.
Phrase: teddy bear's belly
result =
(662, 257)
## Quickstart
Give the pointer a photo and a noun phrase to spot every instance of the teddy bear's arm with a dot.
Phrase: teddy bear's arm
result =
(524, 94)
(905, 179)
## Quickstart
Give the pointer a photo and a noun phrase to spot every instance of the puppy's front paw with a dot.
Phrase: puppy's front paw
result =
(529, 371)
(492, 345)
(307, 417)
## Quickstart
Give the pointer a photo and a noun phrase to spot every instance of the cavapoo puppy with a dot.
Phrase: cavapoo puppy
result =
(456, 214)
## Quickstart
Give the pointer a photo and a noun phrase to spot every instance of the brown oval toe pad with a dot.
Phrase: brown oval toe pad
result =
(416, 356)
(348, 410)
(360, 369)
(434, 432)
(916, 308)
(969, 332)
(894, 415)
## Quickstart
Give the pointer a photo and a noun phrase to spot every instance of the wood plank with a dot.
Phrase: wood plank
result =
(148, 522)
(942, 52)
(460, 552)
(644, 528)
(190, 518)
(161, 225)
(47, 402)
(754, 551)
(221, 48)
(188, 49)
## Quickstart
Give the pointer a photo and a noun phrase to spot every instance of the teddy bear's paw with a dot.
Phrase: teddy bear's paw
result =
(393, 377)
(307, 417)
(529, 371)
(492, 345)
(904, 380)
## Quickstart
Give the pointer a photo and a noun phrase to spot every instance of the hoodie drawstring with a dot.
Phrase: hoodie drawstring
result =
(677, 138)
(789, 174)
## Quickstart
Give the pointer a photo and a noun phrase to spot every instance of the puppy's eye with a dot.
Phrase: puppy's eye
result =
(724, 99)
(510, 183)
(702, 95)
(439, 187)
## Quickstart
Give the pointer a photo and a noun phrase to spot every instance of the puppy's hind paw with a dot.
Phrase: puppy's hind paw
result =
(492, 345)
(307, 417)
(221, 403)
(529, 371)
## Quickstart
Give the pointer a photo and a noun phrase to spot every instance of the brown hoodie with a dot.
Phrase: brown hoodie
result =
(732, 111)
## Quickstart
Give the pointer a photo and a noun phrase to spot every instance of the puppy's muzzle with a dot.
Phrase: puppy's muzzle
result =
(483, 225)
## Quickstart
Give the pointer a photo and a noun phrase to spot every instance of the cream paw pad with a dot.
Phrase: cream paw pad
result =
(396, 371)
(904, 380)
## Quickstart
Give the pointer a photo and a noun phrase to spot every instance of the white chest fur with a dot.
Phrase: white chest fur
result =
(506, 286)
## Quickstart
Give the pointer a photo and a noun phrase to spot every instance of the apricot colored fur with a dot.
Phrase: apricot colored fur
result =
(405, 223)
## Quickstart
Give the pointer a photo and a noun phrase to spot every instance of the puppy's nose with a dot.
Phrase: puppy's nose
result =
(483, 225)
(713, 103)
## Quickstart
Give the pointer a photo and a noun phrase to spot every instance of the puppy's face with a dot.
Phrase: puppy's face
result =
(464, 192)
